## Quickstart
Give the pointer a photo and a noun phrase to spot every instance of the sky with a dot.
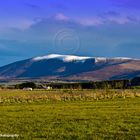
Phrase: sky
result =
(99, 28)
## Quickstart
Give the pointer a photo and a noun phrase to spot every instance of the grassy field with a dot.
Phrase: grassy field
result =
(70, 115)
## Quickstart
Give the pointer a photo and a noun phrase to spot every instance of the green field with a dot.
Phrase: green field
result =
(70, 115)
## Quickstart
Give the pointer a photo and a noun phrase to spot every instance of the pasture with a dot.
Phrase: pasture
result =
(70, 114)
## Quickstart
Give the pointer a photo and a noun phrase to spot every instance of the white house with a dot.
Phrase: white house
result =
(28, 89)
(48, 88)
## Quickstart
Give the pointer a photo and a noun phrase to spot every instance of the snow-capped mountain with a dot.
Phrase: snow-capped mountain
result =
(70, 58)
(70, 67)
(65, 58)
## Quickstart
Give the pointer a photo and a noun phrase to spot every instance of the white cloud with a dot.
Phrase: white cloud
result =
(95, 21)
(90, 21)
(21, 24)
(61, 16)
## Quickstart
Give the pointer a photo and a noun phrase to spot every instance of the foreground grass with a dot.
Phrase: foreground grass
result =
(76, 118)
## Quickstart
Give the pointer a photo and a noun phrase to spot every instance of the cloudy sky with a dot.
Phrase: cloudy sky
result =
(108, 28)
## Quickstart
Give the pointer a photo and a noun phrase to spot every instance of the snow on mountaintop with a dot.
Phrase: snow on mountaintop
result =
(65, 58)
(70, 58)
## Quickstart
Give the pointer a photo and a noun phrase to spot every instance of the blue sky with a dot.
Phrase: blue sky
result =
(108, 28)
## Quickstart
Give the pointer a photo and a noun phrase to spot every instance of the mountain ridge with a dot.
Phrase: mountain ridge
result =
(71, 67)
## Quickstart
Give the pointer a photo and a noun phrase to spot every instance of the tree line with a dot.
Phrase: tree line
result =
(114, 84)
